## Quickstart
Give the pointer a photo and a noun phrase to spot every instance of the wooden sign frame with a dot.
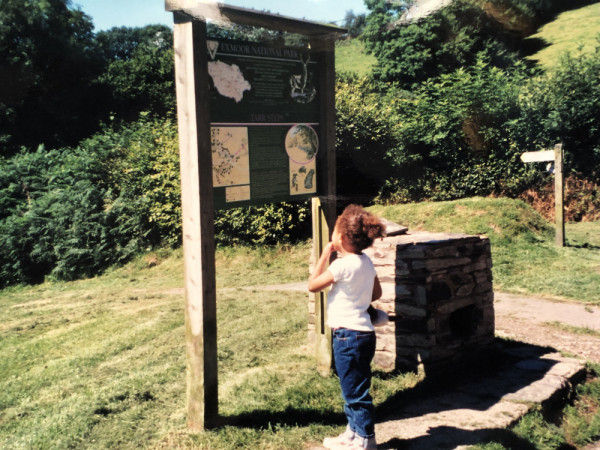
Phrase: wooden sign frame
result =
(190, 17)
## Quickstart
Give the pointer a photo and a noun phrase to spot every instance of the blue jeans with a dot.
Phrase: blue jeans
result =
(353, 352)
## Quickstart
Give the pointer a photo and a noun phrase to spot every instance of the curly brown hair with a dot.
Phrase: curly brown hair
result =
(359, 227)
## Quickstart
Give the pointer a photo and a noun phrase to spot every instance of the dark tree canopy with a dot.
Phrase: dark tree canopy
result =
(59, 81)
(47, 64)
(138, 75)
(454, 36)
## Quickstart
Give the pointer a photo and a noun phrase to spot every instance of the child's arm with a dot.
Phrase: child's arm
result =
(321, 277)
(377, 292)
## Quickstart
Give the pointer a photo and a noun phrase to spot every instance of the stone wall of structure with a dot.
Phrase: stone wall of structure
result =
(437, 289)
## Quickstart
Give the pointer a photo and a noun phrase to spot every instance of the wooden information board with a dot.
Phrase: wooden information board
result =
(267, 136)
(265, 120)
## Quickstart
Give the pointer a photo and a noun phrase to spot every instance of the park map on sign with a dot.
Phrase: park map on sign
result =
(228, 79)
(231, 163)
(264, 122)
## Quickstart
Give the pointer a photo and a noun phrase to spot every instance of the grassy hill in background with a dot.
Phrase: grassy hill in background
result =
(525, 258)
(350, 56)
(572, 31)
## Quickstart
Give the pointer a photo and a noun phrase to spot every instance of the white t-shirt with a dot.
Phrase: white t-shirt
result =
(351, 293)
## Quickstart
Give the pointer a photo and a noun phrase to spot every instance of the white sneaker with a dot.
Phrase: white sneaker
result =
(359, 443)
(343, 441)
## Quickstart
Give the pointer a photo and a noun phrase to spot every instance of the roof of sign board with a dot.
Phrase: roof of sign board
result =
(226, 14)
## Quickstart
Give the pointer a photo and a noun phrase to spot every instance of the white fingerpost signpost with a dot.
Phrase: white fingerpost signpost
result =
(256, 125)
(555, 156)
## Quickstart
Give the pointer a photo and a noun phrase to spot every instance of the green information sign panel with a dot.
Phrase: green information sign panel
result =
(265, 118)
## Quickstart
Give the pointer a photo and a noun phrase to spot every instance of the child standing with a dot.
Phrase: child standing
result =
(354, 285)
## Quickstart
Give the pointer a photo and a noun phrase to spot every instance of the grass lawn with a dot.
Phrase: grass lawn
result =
(579, 28)
(350, 56)
(100, 363)
(525, 259)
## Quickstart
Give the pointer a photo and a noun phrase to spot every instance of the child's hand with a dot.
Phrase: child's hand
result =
(329, 249)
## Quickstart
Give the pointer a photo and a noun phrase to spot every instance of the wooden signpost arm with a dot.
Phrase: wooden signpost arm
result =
(197, 216)
(556, 156)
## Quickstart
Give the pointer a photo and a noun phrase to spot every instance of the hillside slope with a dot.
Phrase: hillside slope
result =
(575, 31)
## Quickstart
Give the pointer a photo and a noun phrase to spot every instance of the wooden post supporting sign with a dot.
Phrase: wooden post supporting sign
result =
(555, 156)
(197, 217)
(200, 115)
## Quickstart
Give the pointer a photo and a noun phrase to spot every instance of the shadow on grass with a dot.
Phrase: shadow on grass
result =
(290, 417)
(486, 376)
(475, 384)
(446, 437)
(585, 245)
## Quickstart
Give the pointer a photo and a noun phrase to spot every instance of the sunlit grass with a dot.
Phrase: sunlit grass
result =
(524, 255)
(100, 363)
(575, 31)
(572, 329)
(350, 56)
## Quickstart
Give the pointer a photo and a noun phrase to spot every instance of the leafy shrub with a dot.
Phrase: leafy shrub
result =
(145, 179)
(145, 184)
(57, 223)
(73, 212)
(562, 106)
(453, 138)
(441, 43)
(263, 225)
(364, 138)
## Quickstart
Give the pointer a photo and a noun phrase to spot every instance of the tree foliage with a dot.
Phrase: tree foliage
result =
(446, 115)
(355, 24)
(563, 105)
(139, 70)
(57, 222)
(452, 37)
(73, 212)
(47, 66)
(452, 136)
(59, 80)
(365, 138)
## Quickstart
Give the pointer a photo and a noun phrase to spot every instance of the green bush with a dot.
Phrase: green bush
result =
(145, 184)
(364, 138)
(56, 222)
(263, 225)
(562, 106)
(440, 43)
(453, 137)
(73, 212)
(145, 177)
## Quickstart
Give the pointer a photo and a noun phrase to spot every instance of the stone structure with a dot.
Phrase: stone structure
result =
(437, 289)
